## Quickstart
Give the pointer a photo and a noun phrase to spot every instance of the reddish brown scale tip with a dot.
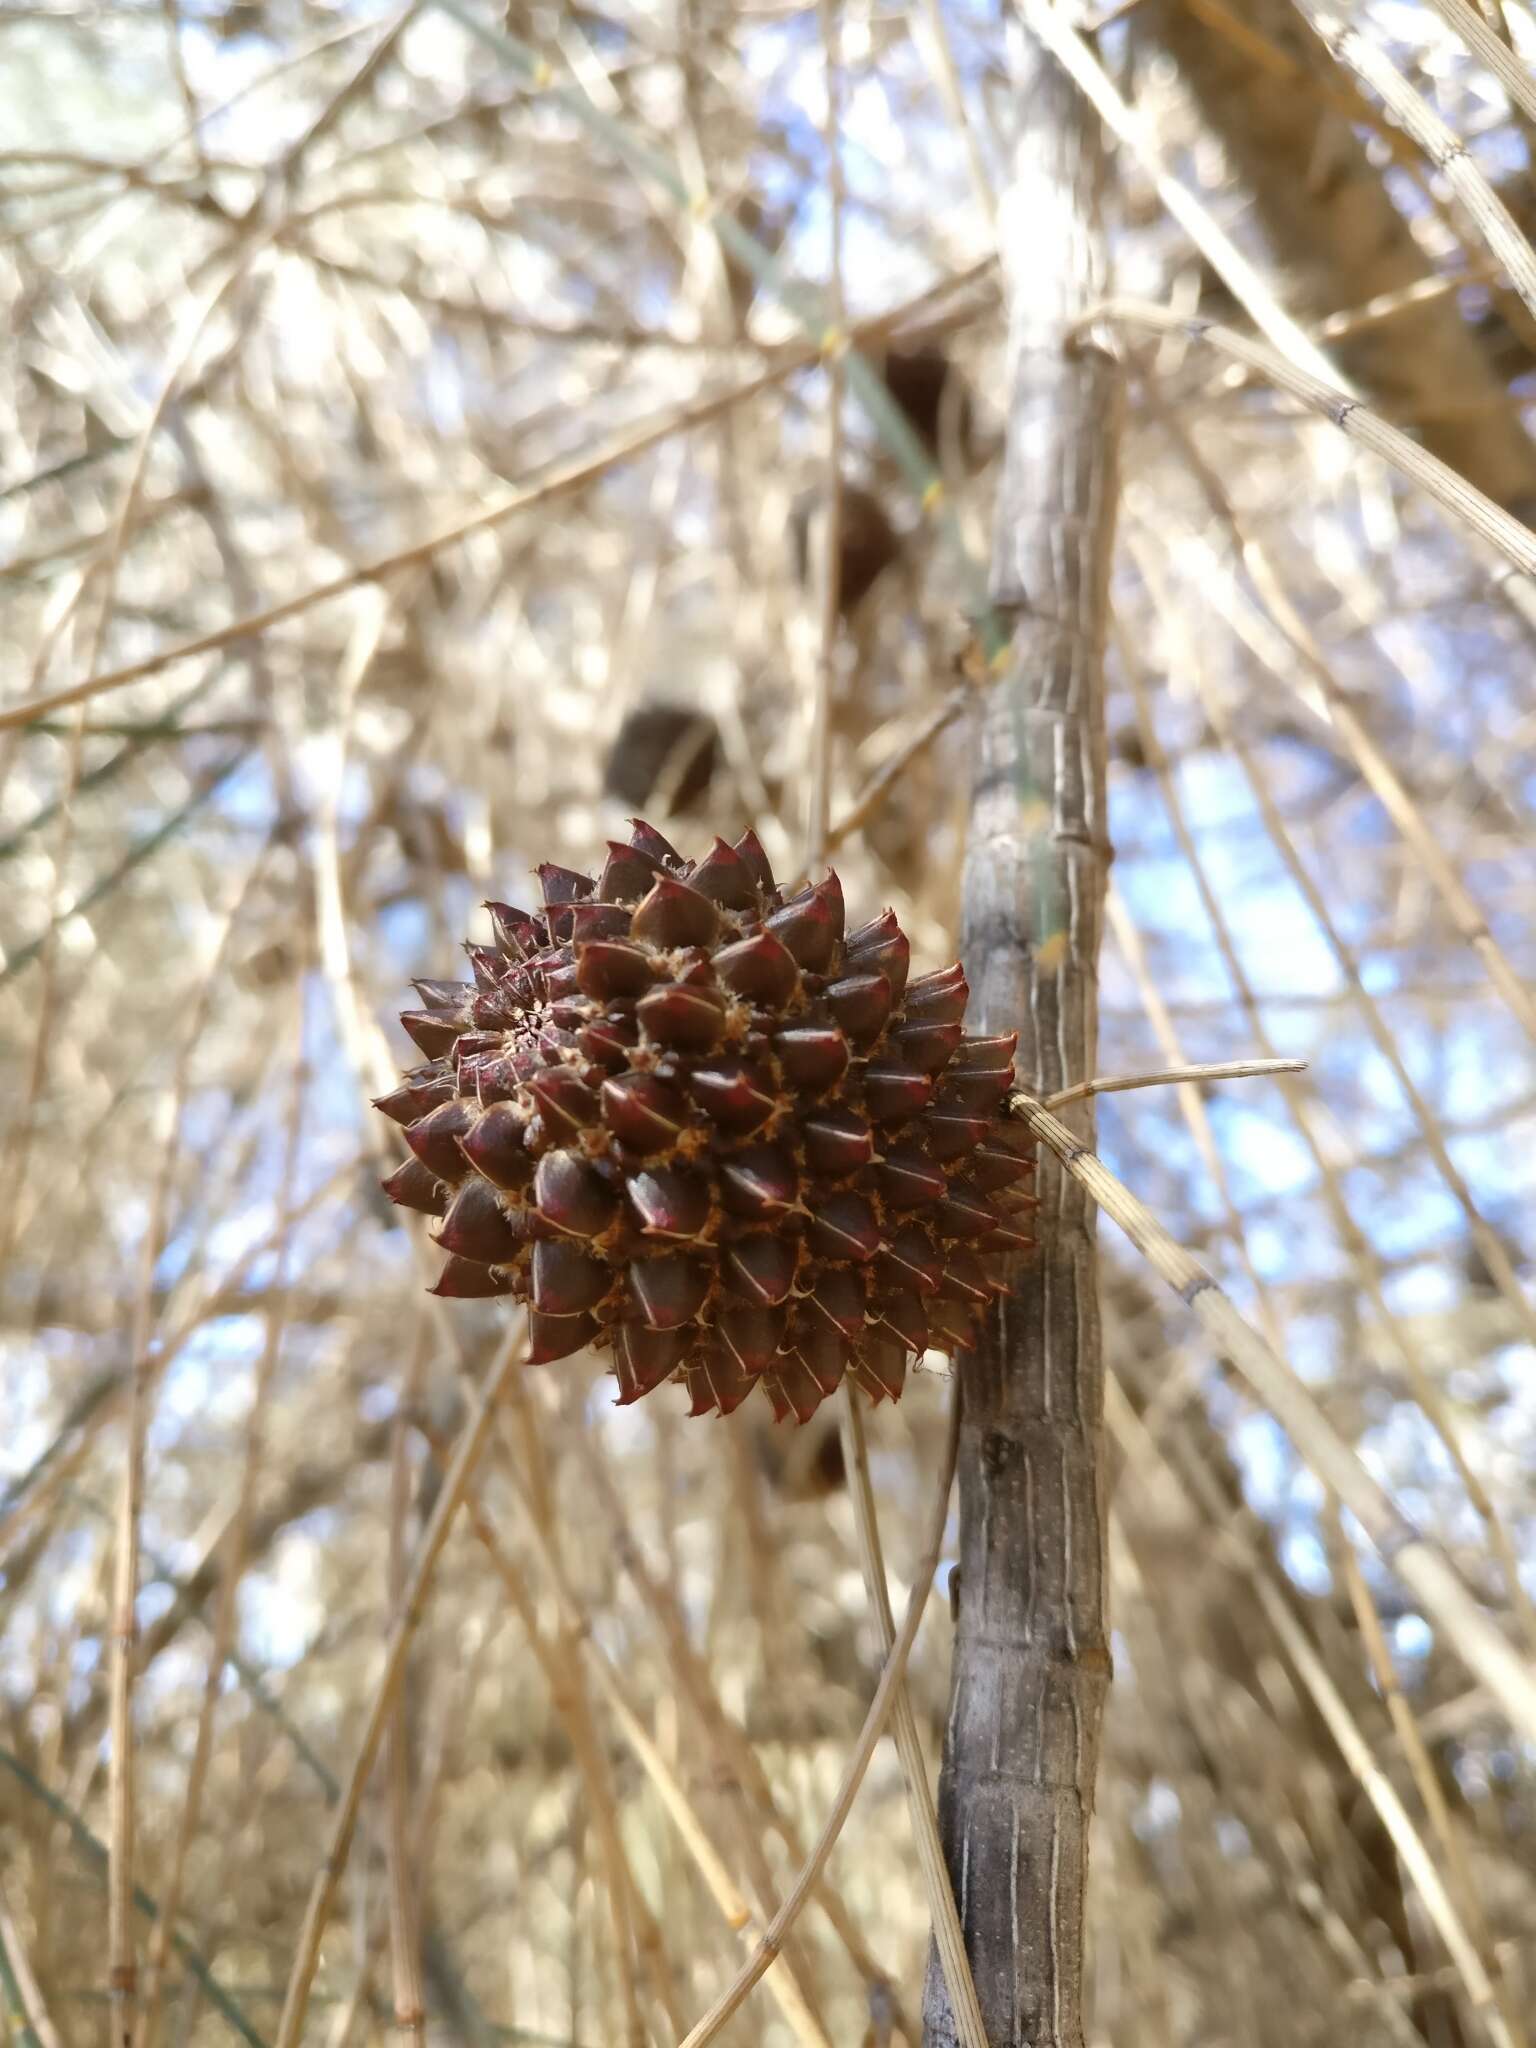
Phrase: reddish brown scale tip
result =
(414, 1186)
(760, 968)
(477, 1227)
(674, 914)
(687, 1019)
(668, 1203)
(468, 1280)
(646, 840)
(566, 1279)
(725, 878)
(736, 1094)
(644, 1113)
(593, 1130)
(571, 1194)
(435, 1137)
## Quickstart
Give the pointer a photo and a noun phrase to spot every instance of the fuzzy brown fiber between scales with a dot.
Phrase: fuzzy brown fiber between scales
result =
(696, 1124)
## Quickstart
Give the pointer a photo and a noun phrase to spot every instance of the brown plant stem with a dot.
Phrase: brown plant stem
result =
(1031, 1664)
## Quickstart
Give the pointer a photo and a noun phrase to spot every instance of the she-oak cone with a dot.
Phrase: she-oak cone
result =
(697, 1125)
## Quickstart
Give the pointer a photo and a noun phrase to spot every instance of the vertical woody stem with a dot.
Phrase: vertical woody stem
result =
(1031, 1663)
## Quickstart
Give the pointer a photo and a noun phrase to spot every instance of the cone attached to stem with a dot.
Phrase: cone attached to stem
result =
(702, 1126)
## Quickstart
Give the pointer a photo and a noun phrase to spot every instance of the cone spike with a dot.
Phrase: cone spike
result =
(671, 913)
(477, 1227)
(565, 1279)
(494, 1145)
(725, 878)
(643, 1112)
(750, 847)
(761, 1268)
(689, 1019)
(414, 1186)
(669, 1203)
(570, 1194)
(759, 968)
(434, 1138)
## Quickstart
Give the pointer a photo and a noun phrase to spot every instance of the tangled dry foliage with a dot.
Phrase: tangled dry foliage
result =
(292, 290)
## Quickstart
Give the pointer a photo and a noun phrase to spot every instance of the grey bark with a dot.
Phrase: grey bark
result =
(1331, 224)
(1031, 1663)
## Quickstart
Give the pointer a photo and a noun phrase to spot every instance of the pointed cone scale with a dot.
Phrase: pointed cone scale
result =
(975, 1094)
(477, 1227)
(565, 1279)
(750, 847)
(993, 1166)
(761, 1268)
(727, 1383)
(468, 1280)
(668, 1203)
(759, 968)
(673, 914)
(431, 1032)
(753, 1335)
(892, 1094)
(837, 1142)
(494, 1146)
(559, 885)
(434, 1138)
(937, 998)
(414, 1098)
(950, 1135)
(450, 997)
(645, 839)
(572, 1195)
(606, 968)
(812, 926)
(881, 947)
(592, 921)
(670, 1290)
(643, 1359)
(881, 1368)
(724, 877)
(861, 1003)
(909, 1181)
(926, 1046)
(952, 1325)
(687, 1019)
(987, 1053)
(911, 1260)
(844, 1226)
(735, 1094)
(516, 933)
(609, 1040)
(776, 1396)
(552, 1337)
(414, 1186)
(626, 876)
(760, 1183)
(487, 964)
(800, 1387)
(839, 1296)
(813, 1056)
(701, 1395)
(965, 1279)
(964, 1213)
(565, 1103)
(905, 1318)
(644, 1113)
(823, 1352)
(1006, 1238)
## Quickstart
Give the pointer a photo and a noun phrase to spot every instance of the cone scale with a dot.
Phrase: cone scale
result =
(705, 1128)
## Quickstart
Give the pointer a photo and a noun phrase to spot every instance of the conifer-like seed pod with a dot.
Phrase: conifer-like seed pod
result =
(699, 1126)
